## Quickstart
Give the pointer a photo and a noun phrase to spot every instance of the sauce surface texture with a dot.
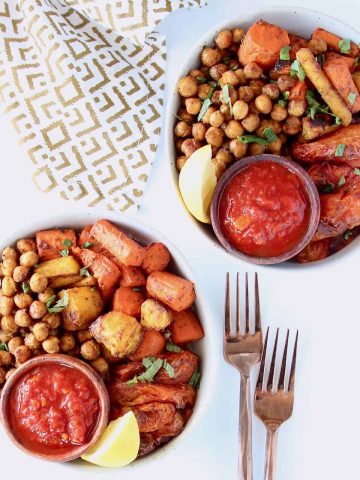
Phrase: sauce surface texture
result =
(264, 210)
(52, 407)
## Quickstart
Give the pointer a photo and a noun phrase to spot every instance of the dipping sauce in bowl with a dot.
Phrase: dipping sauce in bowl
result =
(55, 409)
(265, 209)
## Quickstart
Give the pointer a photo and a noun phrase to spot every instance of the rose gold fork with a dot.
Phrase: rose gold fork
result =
(273, 405)
(243, 351)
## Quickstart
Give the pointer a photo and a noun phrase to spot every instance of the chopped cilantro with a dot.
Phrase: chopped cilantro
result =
(357, 171)
(59, 305)
(168, 369)
(201, 79)
(25, 287)
(341, 182)
(90, 244)
(347, 234)
(296, 70)
(352, 98)
(206, 104)
(345, 45)
(67, 244)
(252, 139)
(320, 58)
(195, 379)
(282, 102)
(84, 272)
(171, 347)
(340, 149)
(285, 53)
(329, 188)
(286, 95)
(4, 347)
(270, 135)
(226, 96)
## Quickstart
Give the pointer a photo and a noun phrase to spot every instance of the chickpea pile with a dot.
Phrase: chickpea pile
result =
(257, 102)
(27, 329)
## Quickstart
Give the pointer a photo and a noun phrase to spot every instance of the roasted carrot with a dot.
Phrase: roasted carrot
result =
(298, 91)
(296, 42)
(348, 61)
(102, 268)
(262, 44)
(356, 78)
(123, 248)
(157, 258)
(151, 345)
(132, 277)
(176, 292)
(340, 76)
(51, 242)
(185, 327)
(128, 301)
(333, 41)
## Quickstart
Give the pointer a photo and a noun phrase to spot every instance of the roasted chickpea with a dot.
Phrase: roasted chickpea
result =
(224, 39)
(180, 162)
(2, 375)
(8, 287)
(1, 270)
(8, 324)
(188, 86)
(245, 93)
(9, 373)
(14, 343)
(9, 253)
(6, 305)
(222, 159)
(21, 273)
(54, 332)
(216, 97)
(90, 350)
(214, 136)
(252, 70)
(292, 125)
(263, 104)
(278, 112)
(185, 116)
(297, 108)
(204, 90)
(5, 337)
(67, 342)
(225, 112)
(257, 86)
(31, 341)
(207, 115)
(26, 245)
(251, 122)
(276, 126)
(8, 267)
(275, 146)
(22, 354)
(210, 56)
(217, 71)
(178, 143)
(29, 259)
(230, 78)
(5, 358)
(256, 148)
(195, 73)
(233, 129)
(219, 167)
(317, 46)
(23, 300)
(216, 119)
(41, 331)
(193, 106)
(238, 149)
(285, 82)
(101, 366)
(239, 72)
(51, 345)
(198, 131)
(22, 318)
(38, 283)
(182, 129)
(83, 336)
(240, 110)
(238, 34)
(46, 294)
(271, 90)
(189, 146)
(37, 310)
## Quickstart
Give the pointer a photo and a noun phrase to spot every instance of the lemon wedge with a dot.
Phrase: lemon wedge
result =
(197, 182)
(119, 444)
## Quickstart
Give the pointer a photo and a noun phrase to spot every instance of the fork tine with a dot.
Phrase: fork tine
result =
(283, 364)
(247, 314)
(272, 365)
(238, 315)
(227, 323)
(293, 365)
(257, 305)
(262, 364)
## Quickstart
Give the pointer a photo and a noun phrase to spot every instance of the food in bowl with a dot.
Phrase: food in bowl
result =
(100, 296)
(266, 90)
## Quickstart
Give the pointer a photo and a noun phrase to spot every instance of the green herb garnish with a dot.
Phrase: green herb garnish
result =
(206, 104)
(4, 347)
(340, 149)
(201, 79)
(67, 244)
(356, 62)
(226, 96)
(341, 182)
(84, 272)
(152, 365)
(286, 95)
(296, 70)
(345, 45)
(168, 369)
(329, 188)
(195, 379)
(285, 53)
(252, 139)
(90, 244)
(226, 60)
(347, 234)
(213, 84)
(171, 347)
(282, 102)
(270, 135)
(357, 171)
(59, 305)
(320, 58)
(25, 287)
(352, 98)
(337, 120)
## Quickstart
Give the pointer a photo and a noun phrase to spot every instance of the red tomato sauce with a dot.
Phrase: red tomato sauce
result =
(264, 210)
(53, 407)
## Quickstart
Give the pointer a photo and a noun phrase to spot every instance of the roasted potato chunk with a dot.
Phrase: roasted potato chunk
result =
(120, 333)
(84, 306)
(58, 267)
(155, 316)
(64, 280)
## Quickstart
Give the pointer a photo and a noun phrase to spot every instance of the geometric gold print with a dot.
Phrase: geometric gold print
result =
(55, 135)
(69, 92)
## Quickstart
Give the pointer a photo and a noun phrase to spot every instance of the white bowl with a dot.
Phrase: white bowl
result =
(297, 20)
(205, 348)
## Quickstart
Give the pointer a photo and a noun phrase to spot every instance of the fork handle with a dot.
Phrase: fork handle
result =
(270, 459)
(245, 454)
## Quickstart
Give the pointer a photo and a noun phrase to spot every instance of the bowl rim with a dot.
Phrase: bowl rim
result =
(77, 364)
(136, 228)
(311, 192)
(254, 12)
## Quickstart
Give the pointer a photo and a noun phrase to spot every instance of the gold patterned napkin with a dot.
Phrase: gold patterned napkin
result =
(82, 82)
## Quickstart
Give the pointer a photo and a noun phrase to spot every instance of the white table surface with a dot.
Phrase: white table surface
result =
(321, 439)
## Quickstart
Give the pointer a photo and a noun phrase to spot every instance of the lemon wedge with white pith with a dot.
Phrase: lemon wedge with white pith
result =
(197, 182)
(118, 446)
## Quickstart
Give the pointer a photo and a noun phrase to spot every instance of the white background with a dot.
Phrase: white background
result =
(321, 441)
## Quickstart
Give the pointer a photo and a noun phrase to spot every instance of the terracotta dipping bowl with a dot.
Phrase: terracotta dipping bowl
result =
(62, 455)
(309, 189)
